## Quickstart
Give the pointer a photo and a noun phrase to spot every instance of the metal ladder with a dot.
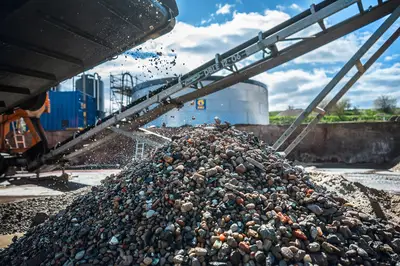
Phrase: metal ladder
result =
(139, 150)
(355, 61)
(19, 138)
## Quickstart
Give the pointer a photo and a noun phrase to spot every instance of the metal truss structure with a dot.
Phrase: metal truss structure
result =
(274, 47)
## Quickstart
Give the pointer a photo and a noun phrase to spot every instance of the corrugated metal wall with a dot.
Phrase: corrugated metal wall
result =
(66, 111)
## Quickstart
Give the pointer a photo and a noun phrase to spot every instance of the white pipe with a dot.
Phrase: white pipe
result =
(96, 90)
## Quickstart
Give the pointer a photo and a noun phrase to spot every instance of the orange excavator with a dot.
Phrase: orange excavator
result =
(21, 126)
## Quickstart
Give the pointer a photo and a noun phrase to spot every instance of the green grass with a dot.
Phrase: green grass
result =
(366, 115)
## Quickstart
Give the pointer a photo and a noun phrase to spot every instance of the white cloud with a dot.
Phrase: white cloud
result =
(295, 7)
(224, 9)
(391, 57)
(293, 84)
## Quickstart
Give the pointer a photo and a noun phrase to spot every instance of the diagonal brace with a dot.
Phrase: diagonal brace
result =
(339, 76)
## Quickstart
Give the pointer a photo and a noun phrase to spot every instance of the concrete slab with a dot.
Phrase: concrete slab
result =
(27, 185)
(381, 179)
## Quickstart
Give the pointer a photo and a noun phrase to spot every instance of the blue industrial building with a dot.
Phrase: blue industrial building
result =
(67, 111)
(67, 108)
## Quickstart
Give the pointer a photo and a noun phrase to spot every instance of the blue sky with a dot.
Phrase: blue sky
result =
(207, 27)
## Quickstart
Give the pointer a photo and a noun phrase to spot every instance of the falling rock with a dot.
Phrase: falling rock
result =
(180, 168)
(195, 262)
(235, 258)
(319, 259)
(234, 227)
(114, 241)
(282, 263)
(200, 251)
(186, 207)
(240, 169)
(315, 209)
(147, 260)
(80, 255)
(211, 172)
(255, 163)
(260, 257)
(313, 247)
(178, 259)
(287, 253)
(231, 241)
(250, 206)
(243, 246)
(230, 153)
(198, 178)
(329, 248)
(362, 252)
(307, 259)
(267, 244)
(333, 239)
(299, 255)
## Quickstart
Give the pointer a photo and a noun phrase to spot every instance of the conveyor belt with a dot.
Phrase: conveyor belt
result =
(265, 44)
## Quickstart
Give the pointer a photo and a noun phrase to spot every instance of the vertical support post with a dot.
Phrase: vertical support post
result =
(346, 68)
(110, 110)
(361, 70)
(84, 99)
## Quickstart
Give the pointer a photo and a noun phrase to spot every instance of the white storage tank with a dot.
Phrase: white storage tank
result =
(243, 103)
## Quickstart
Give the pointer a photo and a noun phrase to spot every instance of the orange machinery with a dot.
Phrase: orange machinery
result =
(11, 135)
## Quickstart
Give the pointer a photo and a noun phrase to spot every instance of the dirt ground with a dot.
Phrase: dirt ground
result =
(5, 240)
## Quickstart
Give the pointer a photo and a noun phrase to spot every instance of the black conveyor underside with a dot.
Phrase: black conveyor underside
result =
(43, 42)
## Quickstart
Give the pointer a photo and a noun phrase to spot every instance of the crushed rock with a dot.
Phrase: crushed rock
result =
(19, 216)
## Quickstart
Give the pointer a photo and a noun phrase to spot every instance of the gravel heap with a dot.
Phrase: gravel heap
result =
(19, 216)
(208, 198)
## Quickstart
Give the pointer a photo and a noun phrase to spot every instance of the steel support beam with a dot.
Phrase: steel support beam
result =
(40, 50)
(74, 30)
(28, 72)
(339, 76)
(16, 90)
(342, 91)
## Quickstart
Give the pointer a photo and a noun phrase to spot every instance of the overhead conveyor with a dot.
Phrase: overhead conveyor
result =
(273, 47)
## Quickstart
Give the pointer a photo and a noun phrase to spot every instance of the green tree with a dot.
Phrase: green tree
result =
(341, 107)
(386, 104)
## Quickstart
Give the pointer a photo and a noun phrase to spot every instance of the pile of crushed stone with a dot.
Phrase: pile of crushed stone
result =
(19, 216)
(210, 197)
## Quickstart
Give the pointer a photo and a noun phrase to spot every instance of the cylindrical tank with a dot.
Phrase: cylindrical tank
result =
(91, 85)
(243, 103)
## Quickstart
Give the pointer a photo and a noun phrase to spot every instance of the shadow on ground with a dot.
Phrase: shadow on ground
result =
(52, 182)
